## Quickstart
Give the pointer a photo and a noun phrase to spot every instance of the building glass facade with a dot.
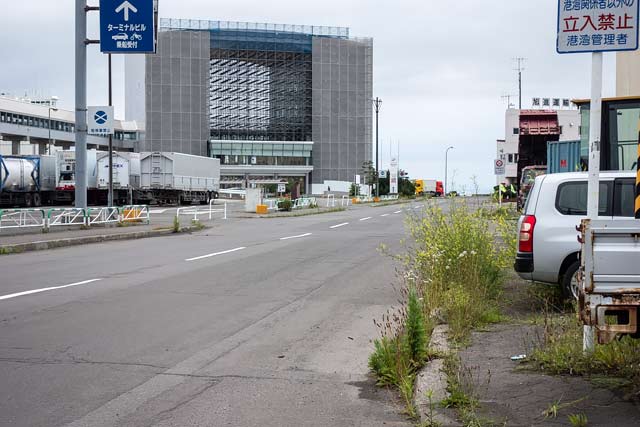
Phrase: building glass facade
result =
(272, 95)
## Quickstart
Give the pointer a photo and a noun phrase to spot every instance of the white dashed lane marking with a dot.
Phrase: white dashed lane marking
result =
(215, 254)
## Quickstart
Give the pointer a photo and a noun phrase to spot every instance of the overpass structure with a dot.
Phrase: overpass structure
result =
(36, 128)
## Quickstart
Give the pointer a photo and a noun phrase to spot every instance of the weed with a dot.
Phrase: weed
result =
(559, 351)
(430, 421)
(457, 266)
(176, 224)
(578, 420)
(416, 331)
(452, 274)
(196, 225)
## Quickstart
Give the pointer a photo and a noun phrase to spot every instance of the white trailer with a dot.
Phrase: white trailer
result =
(126, 170)
(178, 178)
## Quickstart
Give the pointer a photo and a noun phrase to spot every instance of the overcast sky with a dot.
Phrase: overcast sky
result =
(440, 67)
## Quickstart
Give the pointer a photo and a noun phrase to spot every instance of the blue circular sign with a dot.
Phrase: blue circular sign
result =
(100, 117)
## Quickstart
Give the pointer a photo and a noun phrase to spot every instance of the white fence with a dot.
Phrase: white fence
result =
(22, 218)
(331, 201)
(197, 210)
(301, 203)
(65, 217)
(102, 215)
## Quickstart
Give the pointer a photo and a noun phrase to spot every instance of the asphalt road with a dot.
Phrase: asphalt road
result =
(255, 322)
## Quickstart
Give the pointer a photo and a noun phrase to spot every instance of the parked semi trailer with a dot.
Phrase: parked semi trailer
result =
(147, 178)
(27, 180)
(176, 178)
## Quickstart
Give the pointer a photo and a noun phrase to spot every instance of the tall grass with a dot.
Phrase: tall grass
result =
(457, 264)
(452, 273)
(560, 352)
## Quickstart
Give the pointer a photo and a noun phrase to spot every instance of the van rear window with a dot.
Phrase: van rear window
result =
(572, 198)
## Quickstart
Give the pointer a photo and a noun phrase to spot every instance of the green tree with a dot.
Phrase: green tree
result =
(406, 187)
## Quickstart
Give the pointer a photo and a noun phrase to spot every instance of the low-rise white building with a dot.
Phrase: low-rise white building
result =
(526, 135)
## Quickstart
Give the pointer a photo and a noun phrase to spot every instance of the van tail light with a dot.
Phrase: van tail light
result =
(525, 241)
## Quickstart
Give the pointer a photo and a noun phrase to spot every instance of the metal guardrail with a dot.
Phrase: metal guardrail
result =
(331, 201)
(134, 213)
(212, 211)
(65, 216)
(346, 201)
(197, 210)
(22, 218)
(61, 217)
(272, 204)
(105, 215)
(303, 202)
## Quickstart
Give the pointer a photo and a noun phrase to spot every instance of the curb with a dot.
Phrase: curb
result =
(75, 241)
(432, 379)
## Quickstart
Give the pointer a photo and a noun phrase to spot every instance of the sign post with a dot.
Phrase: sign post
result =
(393, 176)
(499, 169)
(596, 27)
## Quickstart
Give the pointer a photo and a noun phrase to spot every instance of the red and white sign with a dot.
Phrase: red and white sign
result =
(597, 25)
(498, 166)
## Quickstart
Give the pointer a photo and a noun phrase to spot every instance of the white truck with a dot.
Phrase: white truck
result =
(610, 295)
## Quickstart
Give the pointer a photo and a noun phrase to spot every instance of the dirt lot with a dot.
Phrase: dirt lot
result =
(512, 394)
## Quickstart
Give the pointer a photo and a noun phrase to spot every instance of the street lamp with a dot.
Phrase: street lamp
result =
(49, 141)
(446, 153)
(377, 103)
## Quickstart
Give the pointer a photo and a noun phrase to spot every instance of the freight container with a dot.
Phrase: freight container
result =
(126, 170)
(27, 180)
(564, 156)
(67, 168)
(178, 178)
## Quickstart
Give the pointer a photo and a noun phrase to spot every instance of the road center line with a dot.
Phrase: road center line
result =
(296, 237)
(365, 218)
(215, 253)
(339, 225)
(397, 212)
(384, 215)
(35, 291)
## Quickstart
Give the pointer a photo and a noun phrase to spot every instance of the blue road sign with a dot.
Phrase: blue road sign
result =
(101, 117)
(127, 26)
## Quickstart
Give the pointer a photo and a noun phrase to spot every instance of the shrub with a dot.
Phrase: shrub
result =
(285, 205)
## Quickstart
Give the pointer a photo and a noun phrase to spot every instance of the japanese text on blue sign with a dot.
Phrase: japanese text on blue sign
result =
(127, 26)
(597, 25)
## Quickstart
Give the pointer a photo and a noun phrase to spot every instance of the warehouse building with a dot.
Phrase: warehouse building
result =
(272, 102)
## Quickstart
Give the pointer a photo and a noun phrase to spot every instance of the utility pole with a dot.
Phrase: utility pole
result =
(110, 197)
(446, 159)
(520, 69)
(81, 105)
(377, 104)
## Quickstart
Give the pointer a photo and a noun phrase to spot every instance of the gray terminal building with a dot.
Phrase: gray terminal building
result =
(272, 102)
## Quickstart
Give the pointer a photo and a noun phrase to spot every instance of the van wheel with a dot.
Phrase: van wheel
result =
(570, 285)
(28, 201)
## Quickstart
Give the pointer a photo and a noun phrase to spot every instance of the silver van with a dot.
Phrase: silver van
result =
(548, 247)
